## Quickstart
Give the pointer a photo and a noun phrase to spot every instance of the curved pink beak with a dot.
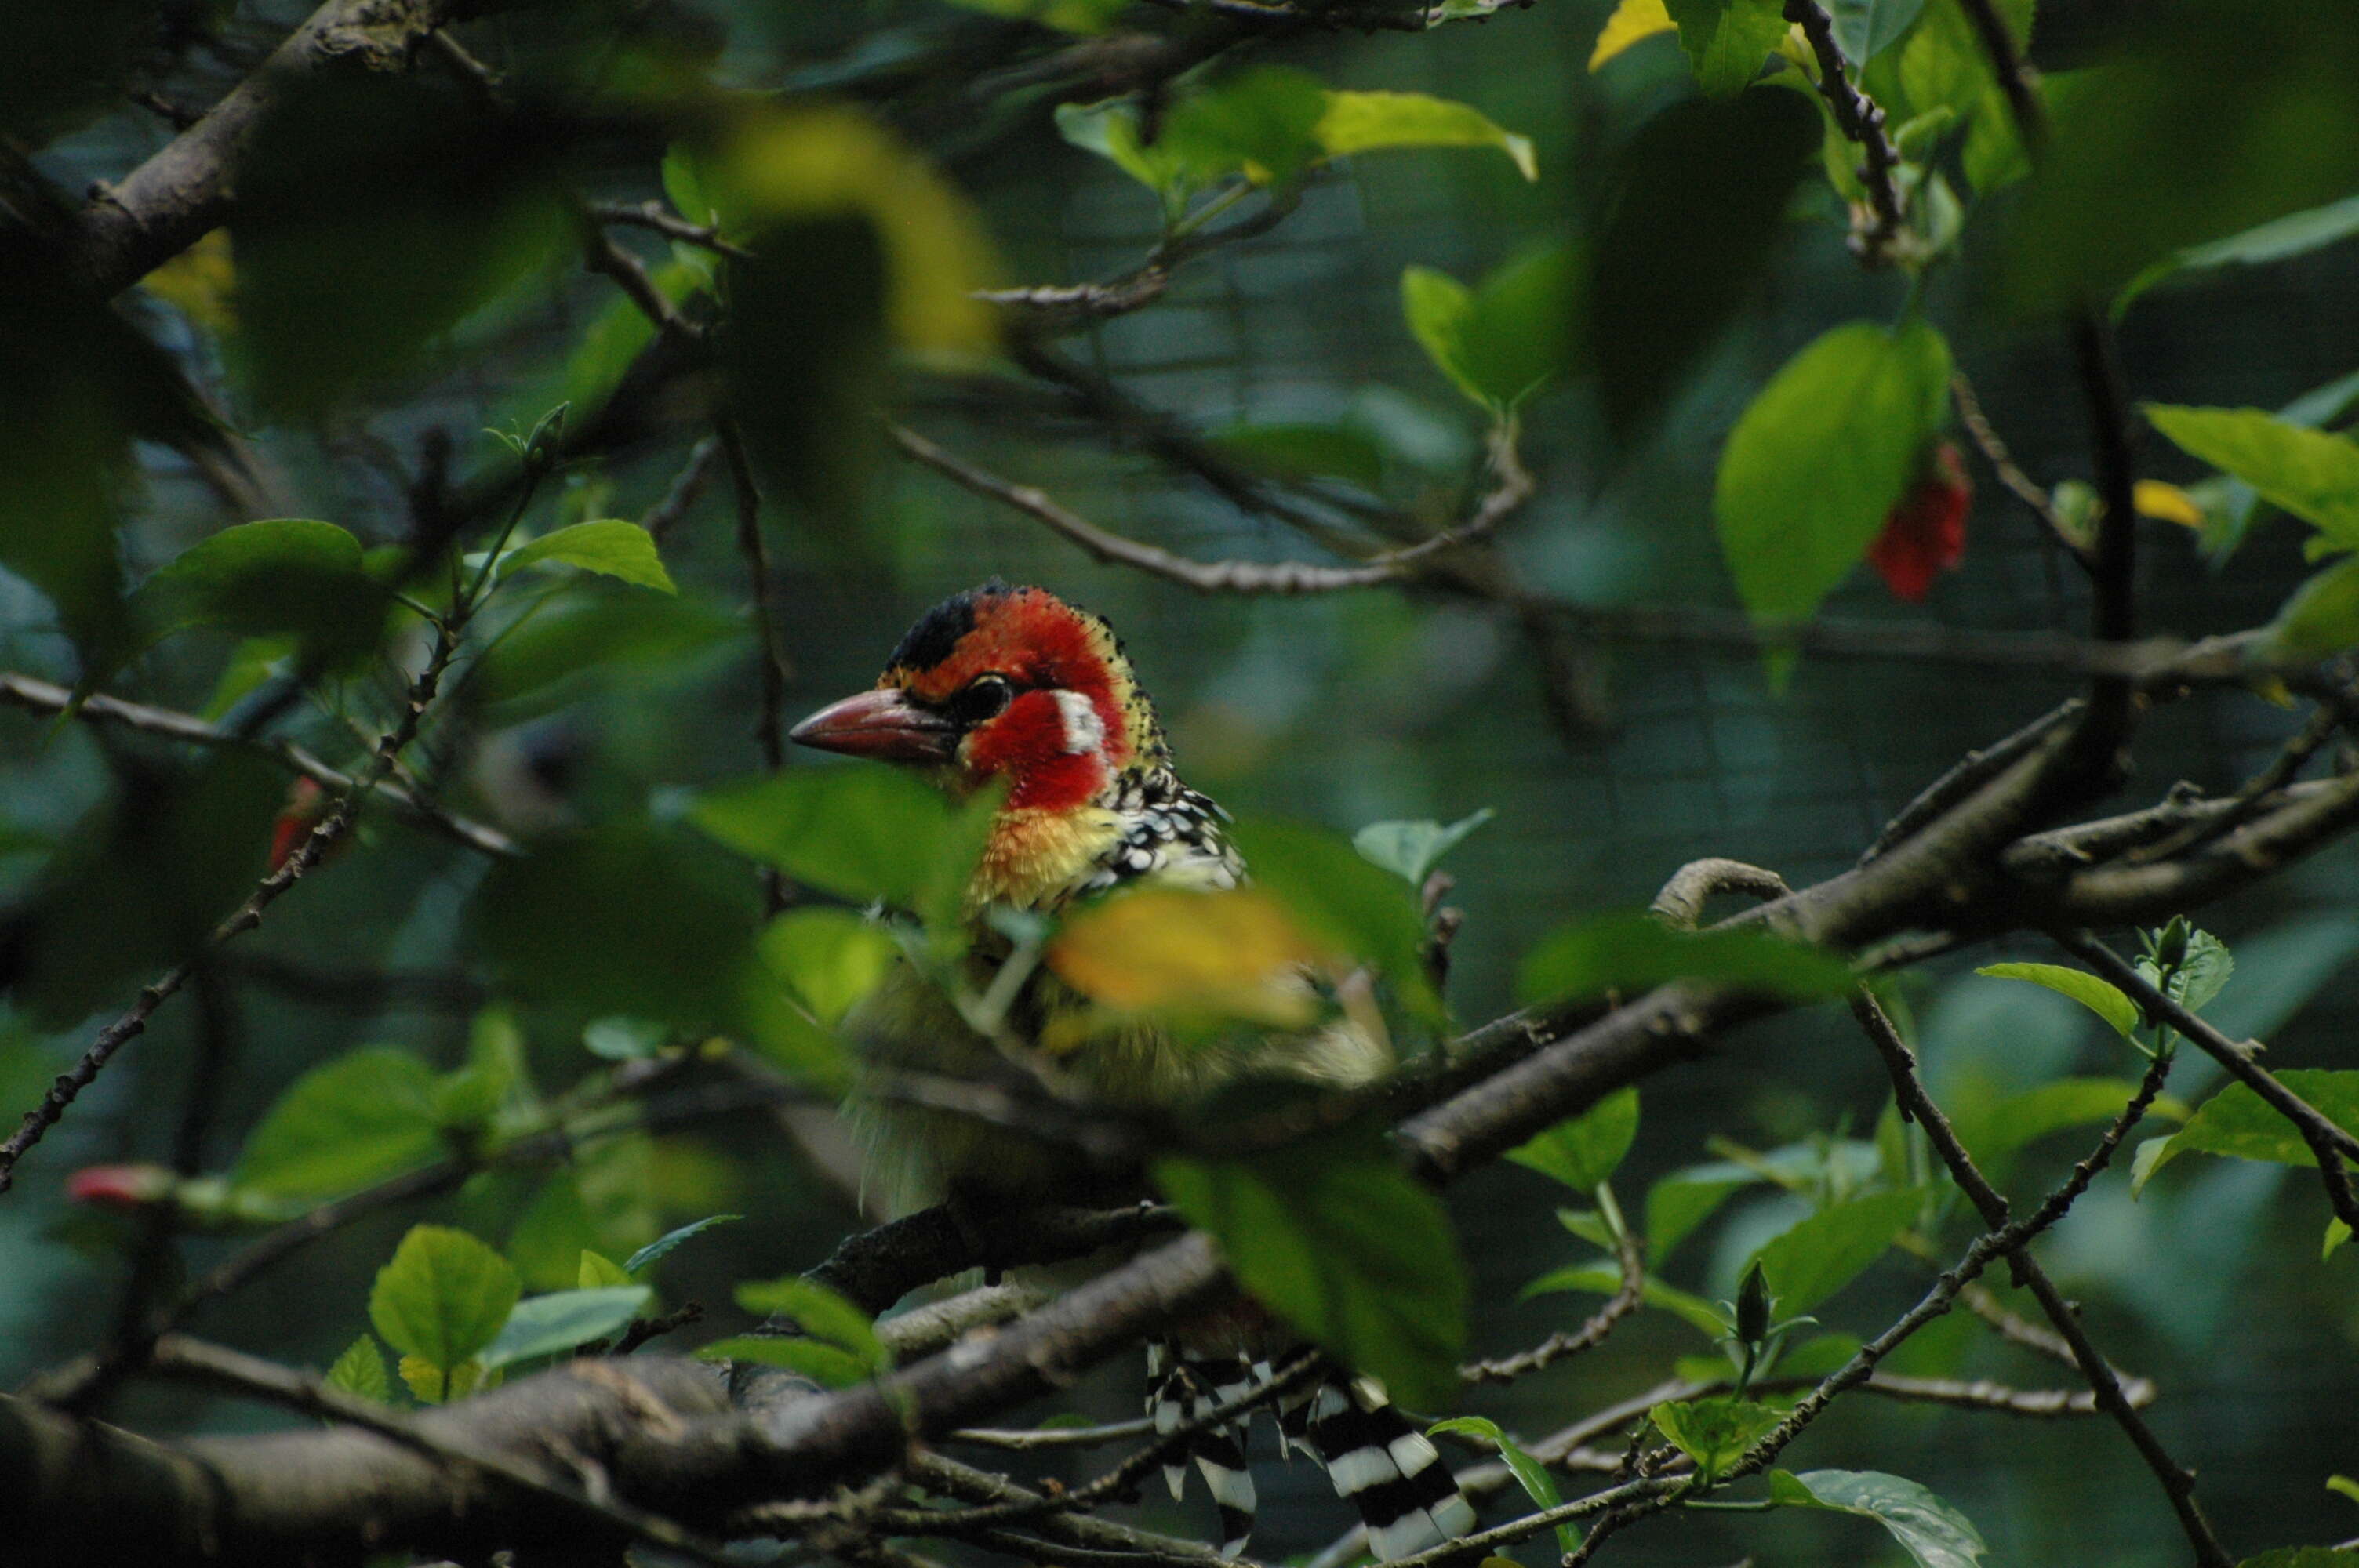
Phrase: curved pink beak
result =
(882, 724)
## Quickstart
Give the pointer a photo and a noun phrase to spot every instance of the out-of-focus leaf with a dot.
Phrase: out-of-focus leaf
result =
(655, 1251)
(2282, 239)
(443, 1296)
(2218, 117)
(434, 1385)
(1529, 1473)
(1306, 451)
(2099, 996)
(377, 210)
(2312, 473)
(1818, 459)
(2304, 1557)
(622, 919)
(1865, 29)
(1582, 1152)
(1992, 1136)
(201, 283)
(1632, 21)
(1605, 1280)
(549, 1236)
(822, 1315)
(1830, 1249)
(60, 65)
(1680, 1201)
(140, 882)
(1934, 1534)
(603, 636)
(1716, 1432)
(1069, 16)
(1340, 899)
(2321, 618)
(1261, 123)
(1110, 129)
(610, 547)
(1234, 953)
(1635, 952)
(1698, 208)
(1436, 306)
(342, 1125)
(863, 831)
(1727, 41)
(547, 1325)
(2237, 1124)
(1365, 122)
(832, 957)
(826, 1365)
(1504, 340)
(287, 575)
(858, 246)
(1414, 848)
(1336, 1238)
(360, 1370)
(596, 1271)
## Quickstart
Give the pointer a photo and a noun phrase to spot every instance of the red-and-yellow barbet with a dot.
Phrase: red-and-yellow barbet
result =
(1013, 687)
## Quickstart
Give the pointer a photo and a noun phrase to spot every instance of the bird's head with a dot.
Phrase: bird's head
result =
(1003, 682)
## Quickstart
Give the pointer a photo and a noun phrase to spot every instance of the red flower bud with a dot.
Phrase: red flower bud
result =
(306, 802)
(1925, 533)
(120, 1186)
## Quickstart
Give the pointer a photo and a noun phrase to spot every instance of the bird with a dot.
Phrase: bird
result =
(1011, 687)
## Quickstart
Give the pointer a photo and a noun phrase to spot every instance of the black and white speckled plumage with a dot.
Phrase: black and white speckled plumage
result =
(1169, 832)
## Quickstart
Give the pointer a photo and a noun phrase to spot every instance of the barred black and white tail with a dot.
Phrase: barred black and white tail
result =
(1179, 1386)
(1384, 1466)
(1387, 1469)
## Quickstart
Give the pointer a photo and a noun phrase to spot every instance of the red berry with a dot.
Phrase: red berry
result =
(1925, 534)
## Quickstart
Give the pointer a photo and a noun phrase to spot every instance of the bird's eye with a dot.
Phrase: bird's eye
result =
(985, 697)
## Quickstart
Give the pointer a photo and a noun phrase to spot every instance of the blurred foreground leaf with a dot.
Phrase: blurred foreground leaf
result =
(1934, 1534)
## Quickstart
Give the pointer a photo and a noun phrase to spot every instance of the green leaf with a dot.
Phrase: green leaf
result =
(1702, 209)
(598, 1272)
(433, 1385)
(1413, 848)
(1605, 1280)
(1995, 1134)
(289, 576)
(2296, 235)
(1865, 28)
(344, 1125)
(1084, 16)
(2214, 118)
(443, 1296)
(360, 1370)
(1260, 122)
(1336, 1238)
(1503, 341)
(1820, 456)
(1631, 952)
(589, 641)
(2322, 619)
(825, 1364)
(2310, 473)
(655, 1251)
(822, 1315)
(624, 919)
(1680, 1201)
(1436, 306)
(1825, 1253)
(1727, 41)
(861, 832)
(547, 1325)
(1529, 1473)
(2343, 1485)
(1582, 1152)
(2304, 1557)
(610, 547)
(2237, 1124)
(1110, 129)
(2337, 1233)
(831, 956)
(1716, 1432)
(2099, 996)
(1934, 1534)
(1336, 894)
(1366, 122)
(1305, 450)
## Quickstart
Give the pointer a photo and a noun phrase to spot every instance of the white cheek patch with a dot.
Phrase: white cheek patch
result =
(1084, 730)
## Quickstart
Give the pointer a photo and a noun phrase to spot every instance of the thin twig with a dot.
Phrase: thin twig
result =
(1861, 121)
(687, 486)
(654, 215)
(1680, 904)
(2104, 1384)
(1558, 1347)
(770, 718)
(2018, 484)
(2319, 729)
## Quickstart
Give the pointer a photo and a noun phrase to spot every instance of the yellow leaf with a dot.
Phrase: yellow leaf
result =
(2166, 503)
(1234, 953)
(433, 1386)
(1633, 20)
(200, 281)
(1364, 122)
(813, 162)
